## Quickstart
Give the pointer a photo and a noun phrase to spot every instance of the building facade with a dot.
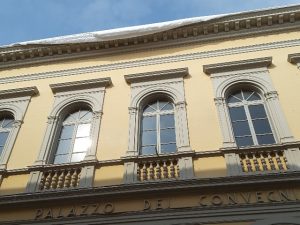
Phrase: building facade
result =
(192, 124)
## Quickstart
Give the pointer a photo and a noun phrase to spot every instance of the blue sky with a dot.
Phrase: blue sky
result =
(23, 20)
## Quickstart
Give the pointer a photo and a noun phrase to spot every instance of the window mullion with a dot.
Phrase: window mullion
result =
(253, 134)
(158, 144)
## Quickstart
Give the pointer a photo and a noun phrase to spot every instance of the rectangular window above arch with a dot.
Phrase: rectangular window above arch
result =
(68, 153)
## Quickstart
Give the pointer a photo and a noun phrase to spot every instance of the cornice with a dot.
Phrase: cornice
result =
(156, 75)
(151, 61)
(243, 24)
(294, 58)
(79, 85)
(204, 185)
(18, 92)
(237, 65)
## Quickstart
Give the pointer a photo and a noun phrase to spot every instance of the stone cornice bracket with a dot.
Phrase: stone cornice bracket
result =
(18, 92)
(294, 58)
(79, 85)
(156, 75)
(237, 65)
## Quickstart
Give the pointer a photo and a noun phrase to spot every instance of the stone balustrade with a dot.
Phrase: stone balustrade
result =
(60, 178)
(263, 161)
(158, 170)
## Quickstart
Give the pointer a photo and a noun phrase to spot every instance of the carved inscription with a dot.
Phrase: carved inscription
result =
(81, 210)
(209, 200)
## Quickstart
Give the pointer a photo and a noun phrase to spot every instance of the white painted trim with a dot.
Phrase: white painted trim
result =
(255, 75)
(151, 61)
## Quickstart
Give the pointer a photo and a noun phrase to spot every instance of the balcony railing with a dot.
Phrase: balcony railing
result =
(60, 178)
(158, 170)
(263, 161)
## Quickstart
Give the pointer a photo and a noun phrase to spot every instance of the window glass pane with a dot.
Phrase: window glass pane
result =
(254, 97)
(7, 123)
(261, 126)
(82, 144)
(167, 121)
(3, 137)
(149, 138)
(265, 139)
(237, 113)
(151, 107)
(168, 148)
(149, 123)
(167, 136)
(168, 106)
(236, 97)
(77, 157)
(247, 94)
(61, 159)
(86, 115)
(244, 141)
(148, 150)
(83, 130)
(162, 104)
(67, 132)
(257, 111)
(241, 128)
(63, 146)
(72, 117)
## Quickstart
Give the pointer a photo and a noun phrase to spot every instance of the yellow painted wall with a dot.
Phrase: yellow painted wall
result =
(210, 167)
(204, 128)
(109, 175)
(14, 184)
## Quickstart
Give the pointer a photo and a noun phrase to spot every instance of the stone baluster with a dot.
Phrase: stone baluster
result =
(67, 179)
(264, 163)
(138, 172)
(151, 171)
(60, 183)
(158, 171)
(54, 180)
(74, 178)
(248, 163)
(271, 162)
(172, 169)
(42, 182)
(278, 161)
(48, 181)
(78, 177)
(255, 161)
(144, 171)
(165, 169)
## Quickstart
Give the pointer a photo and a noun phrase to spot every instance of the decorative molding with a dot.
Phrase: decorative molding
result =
(18, 92)
(245, 182)
(151, 61)
(79, 85)
(242, 24)
(237, 65)
(294, 58)
(157, 75)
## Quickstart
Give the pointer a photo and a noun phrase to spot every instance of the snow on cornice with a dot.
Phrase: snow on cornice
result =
(129, 32)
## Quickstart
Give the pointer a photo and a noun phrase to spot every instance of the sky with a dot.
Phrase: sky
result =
(24, 20)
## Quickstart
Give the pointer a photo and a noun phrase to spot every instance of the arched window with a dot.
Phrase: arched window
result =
(74, 139)
(249, 119)
(6, 124)
(158, 128)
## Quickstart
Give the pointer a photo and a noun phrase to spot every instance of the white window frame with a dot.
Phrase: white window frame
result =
(68, 95)
(245, 73)
(14, 101)
(145, 86)
(157, 115)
